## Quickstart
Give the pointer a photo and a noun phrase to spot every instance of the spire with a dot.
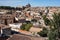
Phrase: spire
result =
(28, 5)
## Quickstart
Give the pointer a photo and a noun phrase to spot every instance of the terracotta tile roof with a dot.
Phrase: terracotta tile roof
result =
(19, 37)
(4, 26)
(27, 14)
(24, 32)
(25, 37)
(21, 20)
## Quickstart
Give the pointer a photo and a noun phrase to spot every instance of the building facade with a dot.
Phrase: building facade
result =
(6, 18)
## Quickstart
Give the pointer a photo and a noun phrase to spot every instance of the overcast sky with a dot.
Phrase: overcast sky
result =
(32, 2)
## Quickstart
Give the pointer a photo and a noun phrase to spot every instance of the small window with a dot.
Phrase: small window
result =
(10, 21)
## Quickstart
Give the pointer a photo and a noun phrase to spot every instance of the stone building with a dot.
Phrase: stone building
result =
(6, 18)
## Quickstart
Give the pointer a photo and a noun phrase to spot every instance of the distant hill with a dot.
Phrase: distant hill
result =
(10, 8)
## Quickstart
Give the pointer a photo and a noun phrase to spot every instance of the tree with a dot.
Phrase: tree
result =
(26, 26)
(54, 27)
(7, 7)
(43, 33)
(23, 26)
(33, 20)
(46, 20)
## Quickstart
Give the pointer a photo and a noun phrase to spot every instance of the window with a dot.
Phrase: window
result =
(10, 21)
(2, 21)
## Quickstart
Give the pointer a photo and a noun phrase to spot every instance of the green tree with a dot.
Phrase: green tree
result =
(23, 26)
(54, 27)
(46, 20)
(26, 26)
(44, 32)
